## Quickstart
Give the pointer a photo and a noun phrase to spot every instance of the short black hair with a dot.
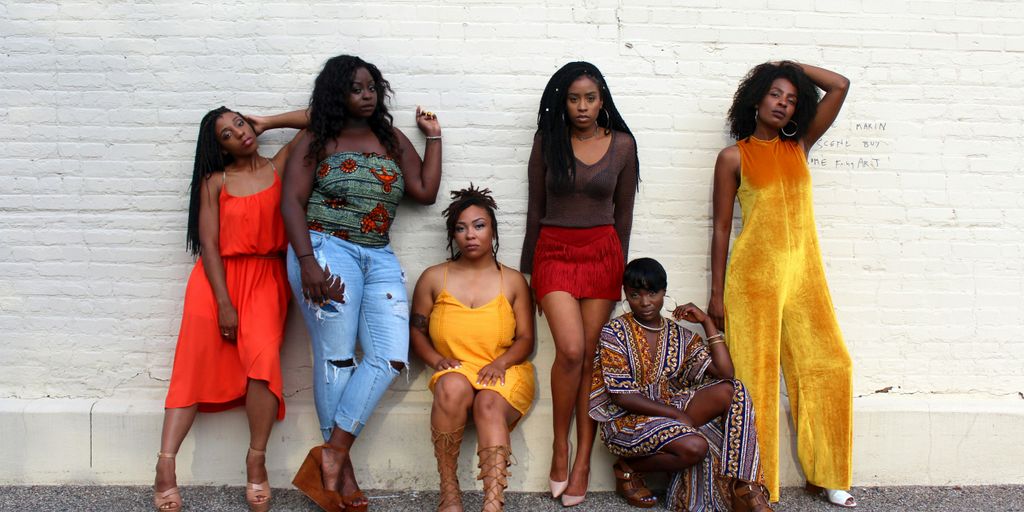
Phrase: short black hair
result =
(645, 274)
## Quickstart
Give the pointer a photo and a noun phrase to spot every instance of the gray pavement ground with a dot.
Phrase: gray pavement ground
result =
(207, 498)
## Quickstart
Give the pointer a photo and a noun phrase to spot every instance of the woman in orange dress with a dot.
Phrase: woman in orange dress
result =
(472, 322)
(228, 351)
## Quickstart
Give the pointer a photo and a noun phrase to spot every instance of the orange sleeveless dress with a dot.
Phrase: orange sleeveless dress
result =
(476, 337)
(209, 371)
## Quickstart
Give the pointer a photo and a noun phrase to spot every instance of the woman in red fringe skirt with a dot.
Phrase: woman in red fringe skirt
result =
(583, 177)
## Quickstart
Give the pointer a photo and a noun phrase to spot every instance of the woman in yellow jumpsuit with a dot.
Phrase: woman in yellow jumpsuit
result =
(773, 300)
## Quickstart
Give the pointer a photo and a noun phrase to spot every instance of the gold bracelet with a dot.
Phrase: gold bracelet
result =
(716, 342)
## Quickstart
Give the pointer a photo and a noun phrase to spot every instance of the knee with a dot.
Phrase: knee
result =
(724, 392)
(691, 450)
(488, 407)
(450, 394)
(571, 358)
(391, 367)
(342, 363)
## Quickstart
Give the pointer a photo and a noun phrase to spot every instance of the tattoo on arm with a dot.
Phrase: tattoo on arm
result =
(420, 323)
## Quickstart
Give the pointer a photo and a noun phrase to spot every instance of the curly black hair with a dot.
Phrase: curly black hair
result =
(462, 199)
(755, 86)
(327, 105)
(554, 126)
(210, 158)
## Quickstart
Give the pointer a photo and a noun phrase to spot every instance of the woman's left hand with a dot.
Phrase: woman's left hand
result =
(426, 121)
(690, 313)
(491, 374)
(259, 124)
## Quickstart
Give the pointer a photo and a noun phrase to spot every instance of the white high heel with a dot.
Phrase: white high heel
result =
(559, 487)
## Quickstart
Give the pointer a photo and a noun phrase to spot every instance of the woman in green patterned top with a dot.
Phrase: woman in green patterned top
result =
(342, 186)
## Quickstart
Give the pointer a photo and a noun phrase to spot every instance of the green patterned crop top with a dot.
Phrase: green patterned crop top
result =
(355, 196)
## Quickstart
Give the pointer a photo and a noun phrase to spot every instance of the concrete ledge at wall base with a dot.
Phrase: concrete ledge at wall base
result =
(898, 440)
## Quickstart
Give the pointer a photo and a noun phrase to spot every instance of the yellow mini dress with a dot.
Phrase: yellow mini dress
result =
(476, 337)
(778, 310)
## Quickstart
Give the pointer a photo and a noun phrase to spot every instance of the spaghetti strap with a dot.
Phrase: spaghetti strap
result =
(501, 279)
(272, 166)
(444, 285)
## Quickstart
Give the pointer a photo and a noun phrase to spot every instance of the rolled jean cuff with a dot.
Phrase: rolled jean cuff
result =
(349, 425)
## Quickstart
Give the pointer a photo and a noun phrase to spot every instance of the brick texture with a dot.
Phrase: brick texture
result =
(919, 186)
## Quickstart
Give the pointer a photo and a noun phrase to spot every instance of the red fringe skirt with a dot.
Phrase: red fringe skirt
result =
(585, 262)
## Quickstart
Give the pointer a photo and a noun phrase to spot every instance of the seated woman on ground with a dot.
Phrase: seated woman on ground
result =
(472, 322)
(663, 398)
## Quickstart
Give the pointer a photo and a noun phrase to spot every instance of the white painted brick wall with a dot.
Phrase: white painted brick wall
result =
(919, 186)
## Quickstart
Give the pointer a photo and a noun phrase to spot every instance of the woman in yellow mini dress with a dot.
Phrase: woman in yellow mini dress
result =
(472, 321)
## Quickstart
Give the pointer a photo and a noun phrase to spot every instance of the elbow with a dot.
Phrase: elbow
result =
(291, 208)
(423, 197)
(842, 84)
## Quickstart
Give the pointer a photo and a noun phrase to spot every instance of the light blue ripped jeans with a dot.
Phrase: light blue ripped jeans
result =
(376, 312)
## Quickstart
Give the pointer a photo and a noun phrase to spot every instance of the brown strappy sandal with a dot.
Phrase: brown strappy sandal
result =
(494, 463)
(258, 494)
(630, 485)
(446, 449)
(750, 497)
(168, 500)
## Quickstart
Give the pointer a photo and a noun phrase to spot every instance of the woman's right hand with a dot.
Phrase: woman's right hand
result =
(716, 310)
(227, 322)
(317, 285)
(447, 363)
(685, 419)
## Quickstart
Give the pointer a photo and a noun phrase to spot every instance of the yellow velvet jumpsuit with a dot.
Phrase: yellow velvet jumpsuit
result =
(778, 308)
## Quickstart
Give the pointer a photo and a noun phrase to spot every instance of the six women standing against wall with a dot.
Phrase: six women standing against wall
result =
(342, 188)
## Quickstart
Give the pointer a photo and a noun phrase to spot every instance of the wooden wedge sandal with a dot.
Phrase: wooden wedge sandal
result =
(310, 481)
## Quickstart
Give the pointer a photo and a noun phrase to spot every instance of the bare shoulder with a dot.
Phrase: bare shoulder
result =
(514, 280)
(728, 160)
(431, 279)
(400, 135)
(214, 181)
(731, 154)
